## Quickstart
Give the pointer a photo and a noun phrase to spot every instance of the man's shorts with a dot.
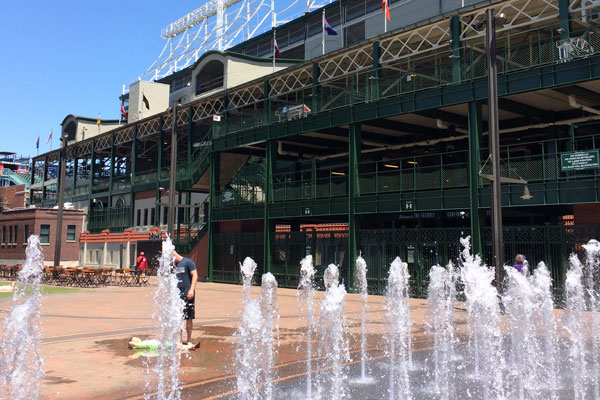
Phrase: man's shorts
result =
(189, 310)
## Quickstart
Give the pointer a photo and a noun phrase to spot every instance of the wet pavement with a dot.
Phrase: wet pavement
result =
(85, 335)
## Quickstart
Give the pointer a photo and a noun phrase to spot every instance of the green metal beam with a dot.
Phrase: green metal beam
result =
(269, 225)
(354, 152)
(111, 175)
(456, 45)
(523, 109)
(215, 167)
(475, 133)
(190, 134)
(316, 89)
(563, 15)
(375, 84)
(580, 93)
(161, 139)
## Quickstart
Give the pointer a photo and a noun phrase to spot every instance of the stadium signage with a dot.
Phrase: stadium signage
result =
(579, 160)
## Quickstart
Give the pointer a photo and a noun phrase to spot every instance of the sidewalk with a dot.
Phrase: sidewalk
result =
(85, 335)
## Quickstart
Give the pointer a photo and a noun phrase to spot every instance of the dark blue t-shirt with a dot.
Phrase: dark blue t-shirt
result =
(183, 270)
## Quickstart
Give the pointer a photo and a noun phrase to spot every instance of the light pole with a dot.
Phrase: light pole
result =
(493, 134)
(62, 157)
(173, 176)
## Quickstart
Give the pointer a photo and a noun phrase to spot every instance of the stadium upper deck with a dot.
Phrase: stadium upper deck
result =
(385, 132)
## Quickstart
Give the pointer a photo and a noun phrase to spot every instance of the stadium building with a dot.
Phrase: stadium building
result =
(372, 140)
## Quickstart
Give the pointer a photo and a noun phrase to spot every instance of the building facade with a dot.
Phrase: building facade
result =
(385, 135)
(18, 224)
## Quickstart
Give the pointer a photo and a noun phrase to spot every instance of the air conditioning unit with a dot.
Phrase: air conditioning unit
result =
(142, 228)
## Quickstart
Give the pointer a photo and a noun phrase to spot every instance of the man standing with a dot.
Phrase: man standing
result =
(187, 277)
(141, 263)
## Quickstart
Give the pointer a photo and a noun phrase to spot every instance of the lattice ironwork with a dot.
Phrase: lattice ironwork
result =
(298, 78)
(246, 95)
(518, 13)
(168, 121)
(183, 116)
(416, 41)
(103, 142)
(124, 135)
(71, 151)
(84, 148)
(207, 109)
(352, 60)
(148, 128)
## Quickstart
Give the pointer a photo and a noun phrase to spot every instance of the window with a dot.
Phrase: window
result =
(139, 217)
(10, 235)
(355, 33)
(152, 217)
(71, 232)
(4, 234)
(15, 239)
(26, 234)
(45, 234)
(145, 216)
(165, 215)
(210, 77)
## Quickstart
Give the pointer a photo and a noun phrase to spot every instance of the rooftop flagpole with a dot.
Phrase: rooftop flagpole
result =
(323, 30)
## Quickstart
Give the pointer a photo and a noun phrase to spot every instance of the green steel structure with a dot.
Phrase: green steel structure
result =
(390, 142)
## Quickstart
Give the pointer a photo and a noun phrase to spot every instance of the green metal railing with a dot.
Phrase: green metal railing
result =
(421, 248)
(113, 219)
(17, 178)
(515, 52)
(191, 230)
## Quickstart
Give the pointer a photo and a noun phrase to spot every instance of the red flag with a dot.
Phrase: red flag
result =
(277, 53)
(385, 7)
(123, 112)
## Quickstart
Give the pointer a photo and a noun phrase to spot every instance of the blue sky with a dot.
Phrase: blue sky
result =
(72, 57)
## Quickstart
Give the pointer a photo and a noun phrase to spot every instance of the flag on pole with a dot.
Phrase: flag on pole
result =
(123, 112)
(49, 137)
(327, 27)
(37, 144)
(276, 53)
(98, 121)
(385, 7)
(145, 100)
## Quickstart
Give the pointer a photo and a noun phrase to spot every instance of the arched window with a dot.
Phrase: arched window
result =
(210, 77)
(69, 131)
(120, 203)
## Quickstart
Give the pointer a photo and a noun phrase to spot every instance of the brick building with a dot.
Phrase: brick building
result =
(13, 197)
(16, 225)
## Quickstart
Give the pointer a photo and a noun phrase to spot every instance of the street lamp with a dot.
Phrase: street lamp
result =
(62, 163)
(493, 133)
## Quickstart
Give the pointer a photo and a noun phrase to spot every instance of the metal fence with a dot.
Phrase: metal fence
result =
(421, 248)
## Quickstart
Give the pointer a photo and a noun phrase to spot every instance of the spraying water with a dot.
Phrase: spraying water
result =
(398, 315)
(361, 279)
(270, 312)
(521, 310)
(21, 364)
(545, 323)
(440, 324)
(306, 294)
(247, 268)
(592, 283)
(485, 338)
(333, 345)
(573, 323)
(249, 351)
(168, 317)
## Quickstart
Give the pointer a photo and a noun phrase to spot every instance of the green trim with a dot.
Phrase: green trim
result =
(475, 133)
(354, 153)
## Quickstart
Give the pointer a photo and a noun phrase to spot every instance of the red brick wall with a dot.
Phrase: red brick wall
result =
(34, 218)
(199, 255)
(586, 213)
(11, 198)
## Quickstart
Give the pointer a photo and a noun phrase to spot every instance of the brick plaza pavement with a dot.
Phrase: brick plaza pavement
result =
(85, 335)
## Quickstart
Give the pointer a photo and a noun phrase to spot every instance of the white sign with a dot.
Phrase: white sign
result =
(217, 118)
